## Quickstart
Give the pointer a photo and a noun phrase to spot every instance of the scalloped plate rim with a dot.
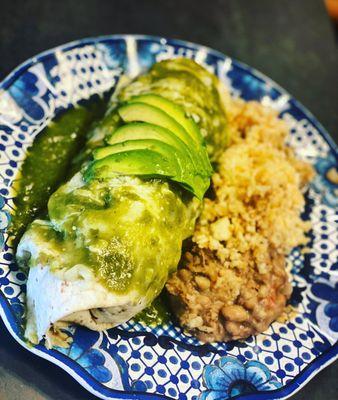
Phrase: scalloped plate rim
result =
(314, 367)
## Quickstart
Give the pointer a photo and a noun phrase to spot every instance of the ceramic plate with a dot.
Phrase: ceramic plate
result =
(163, 362)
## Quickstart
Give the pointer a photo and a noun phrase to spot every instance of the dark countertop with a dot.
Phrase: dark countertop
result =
(291, 41)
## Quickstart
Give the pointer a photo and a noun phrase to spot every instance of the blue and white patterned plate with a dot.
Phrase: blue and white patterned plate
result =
(163, 362)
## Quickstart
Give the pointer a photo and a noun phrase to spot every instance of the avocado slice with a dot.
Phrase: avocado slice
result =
(183, 170)
(142, 162)
(161, 147)
(175, 111)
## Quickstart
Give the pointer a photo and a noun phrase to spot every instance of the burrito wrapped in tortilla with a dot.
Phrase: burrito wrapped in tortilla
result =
(114, 231)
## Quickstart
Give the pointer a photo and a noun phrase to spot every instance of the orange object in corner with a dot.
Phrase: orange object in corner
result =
(332, 9)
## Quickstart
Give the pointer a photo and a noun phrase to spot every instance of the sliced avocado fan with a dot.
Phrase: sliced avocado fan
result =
(138, 111)
(177, 113)
(192, 87)
(182, 167)
(174, 111)
(155, 139)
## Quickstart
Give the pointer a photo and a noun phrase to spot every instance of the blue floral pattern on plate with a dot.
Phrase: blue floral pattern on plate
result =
(164, 362)
(91, 359)
(230, 377)
(324, 306)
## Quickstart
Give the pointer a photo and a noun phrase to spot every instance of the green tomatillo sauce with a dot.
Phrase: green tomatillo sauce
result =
(55, 155)
(49, 161)
(157, 313)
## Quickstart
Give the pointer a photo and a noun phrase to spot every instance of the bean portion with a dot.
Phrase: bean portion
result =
(222, 306)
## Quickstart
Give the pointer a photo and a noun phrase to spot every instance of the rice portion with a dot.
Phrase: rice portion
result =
(233, 281)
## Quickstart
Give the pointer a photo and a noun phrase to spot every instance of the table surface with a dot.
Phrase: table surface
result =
(291, 41)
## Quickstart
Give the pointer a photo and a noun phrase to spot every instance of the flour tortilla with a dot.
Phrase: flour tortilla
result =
(74, 296)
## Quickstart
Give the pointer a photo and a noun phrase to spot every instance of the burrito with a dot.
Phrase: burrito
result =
(114, 231)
